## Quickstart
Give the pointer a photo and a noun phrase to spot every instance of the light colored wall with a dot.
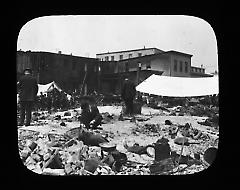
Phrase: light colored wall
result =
(183, 59)
(161, 64)
(198, 70)
(126, 54)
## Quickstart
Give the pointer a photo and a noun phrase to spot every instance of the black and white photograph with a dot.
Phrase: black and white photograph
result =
(117, 95)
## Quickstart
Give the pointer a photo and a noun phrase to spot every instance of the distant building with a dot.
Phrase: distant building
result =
(106, 73)
(199, 72)
(67, 71)
(215, 73)
(138, 68)
(127, 54)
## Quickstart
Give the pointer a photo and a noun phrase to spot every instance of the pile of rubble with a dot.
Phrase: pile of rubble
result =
(148, 129)
(174, 149)
(57, 155)
(67, 155)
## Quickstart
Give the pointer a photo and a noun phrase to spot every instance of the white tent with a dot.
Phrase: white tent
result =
(179, 86)
(47, 88)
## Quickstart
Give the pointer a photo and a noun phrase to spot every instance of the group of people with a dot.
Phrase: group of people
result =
(53, 100)
(90, 116)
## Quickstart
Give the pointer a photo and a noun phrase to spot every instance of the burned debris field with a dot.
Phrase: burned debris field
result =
(164, 139)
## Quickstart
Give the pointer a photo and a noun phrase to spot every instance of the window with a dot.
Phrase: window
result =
(106, 58)
(121, 57)
(175, 65)
(180, 66)
(130, 55)
(112, 58)
(139, 54)
(148, 65)
(186, 67)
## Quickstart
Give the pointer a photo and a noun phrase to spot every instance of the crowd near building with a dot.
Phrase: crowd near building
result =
(106, 72)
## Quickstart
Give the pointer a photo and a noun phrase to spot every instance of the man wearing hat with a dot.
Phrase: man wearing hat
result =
(28, 88)
(128, 94)
(90, 115)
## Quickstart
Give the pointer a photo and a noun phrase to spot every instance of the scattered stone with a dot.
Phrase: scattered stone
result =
(91, 165)
(67, 114)
(62, 124)
(49, 171)
(162, 166)
(168, 122)
(37, 150)
(162, 149)
(210, 155)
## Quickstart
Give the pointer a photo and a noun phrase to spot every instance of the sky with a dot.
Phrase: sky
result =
(87, 35)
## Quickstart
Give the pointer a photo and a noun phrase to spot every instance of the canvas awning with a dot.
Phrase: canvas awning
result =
(47, 88)
(179, 86)
(44, 88)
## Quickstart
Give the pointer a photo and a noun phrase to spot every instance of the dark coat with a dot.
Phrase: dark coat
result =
(28, 88)
(128, 90)
(88, 115)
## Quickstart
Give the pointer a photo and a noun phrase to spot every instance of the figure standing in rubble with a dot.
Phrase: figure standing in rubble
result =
(128, 94)
(28, 88)
(90, 115)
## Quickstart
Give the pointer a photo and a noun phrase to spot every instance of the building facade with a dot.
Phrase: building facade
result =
(127, 54)
(69, 72)
(138, 68)
(105, 75)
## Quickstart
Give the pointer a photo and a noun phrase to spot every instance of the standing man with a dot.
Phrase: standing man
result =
(128, 94)
(28, 89)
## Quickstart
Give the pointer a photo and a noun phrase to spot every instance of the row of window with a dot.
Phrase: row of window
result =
(111, 58)
(198, 70)
(180, 66)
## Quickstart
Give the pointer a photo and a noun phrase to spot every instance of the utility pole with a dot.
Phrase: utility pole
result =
(170, 65)
(138, 76)
(98, 72)
(138, 72)
(38, 70)
(84, 87)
